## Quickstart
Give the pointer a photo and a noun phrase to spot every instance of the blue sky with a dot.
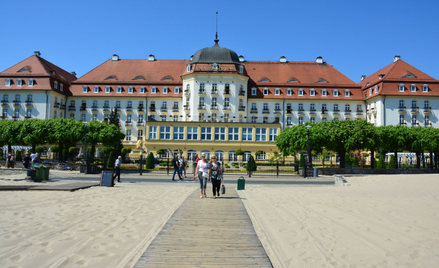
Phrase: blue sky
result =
(356, 37)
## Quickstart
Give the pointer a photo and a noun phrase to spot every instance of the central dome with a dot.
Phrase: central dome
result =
(215, 54)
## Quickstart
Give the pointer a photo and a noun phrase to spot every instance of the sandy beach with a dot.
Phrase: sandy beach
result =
(378, 221)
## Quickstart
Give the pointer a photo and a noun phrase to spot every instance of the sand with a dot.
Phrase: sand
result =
(378, 221)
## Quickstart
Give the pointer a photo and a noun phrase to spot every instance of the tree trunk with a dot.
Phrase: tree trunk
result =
(342, 154)
(396, 159)
(372, 159)
(9, 148)
(418, 160)
(431, 159)
(92, 153)
(60, 151)
(34, 146)
(423, 160)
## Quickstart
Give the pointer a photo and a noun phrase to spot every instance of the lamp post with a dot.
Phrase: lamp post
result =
(309, 162)
(141, 161)
(86, 153)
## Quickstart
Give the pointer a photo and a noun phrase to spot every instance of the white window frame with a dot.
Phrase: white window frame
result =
(142, 90)
(220, 134)
(96, 89)
(425, 88)
(401, 119)
(233, 134)
(300, 92)
(254, 91)
(19, 82)
(324, 92)
(261, 134)
(176, 90)
(370, 91)
(153, 132)
(277, 92)
(153, 90)
(300, 120)
(412, 88)
(289, 92)
(119, 89)
(265, 91)
(130, 89)
(84, 89)
(192, 133)
(247, 134)
(335, 92)
(347, 93)
(401, 88)
(107, 89)
(29, 112)
(95, 117)
(312, 92)
(273, 134)
(30, 82)
(206, 134)
(8, 82)
(226, 101)
(55, 84)
(61, 87)
(165, 132)
(376, 88)
(165, 90)
(313, 119)
(83, 117)
(178, 133)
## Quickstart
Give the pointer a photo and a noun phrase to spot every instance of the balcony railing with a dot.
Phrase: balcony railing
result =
(5, 102)
(128, 123)
(118, 108)
(359, 112)
(140, 108)
(427, 110)
(415, 109)
(106, 108)
(83, 108)
(163, 109)
(265, 111)
(63, 106)
(427, 124)
(241, 93)
(72, 108)
(56, 105)
(94, 108)
(241, 108)
(214, 107)
(347, 112)
(289, 111)
(277, 111)
(129, 108)
(415, 124)
(187, 108)
(324, 111)
(226, 107)
(28, 103)
(312, 111)
(301, 111)
(254, 111)
(187, 92)
(402, 123)
(201, 107)
(201, 92)
(401, 109)
(214, 92)
(336, 112)
(175, 109)
(152, 109)
(139, 123)
(226, 92)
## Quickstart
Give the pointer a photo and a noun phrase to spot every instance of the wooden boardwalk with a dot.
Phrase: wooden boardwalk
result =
(207, 233)
(70, 187)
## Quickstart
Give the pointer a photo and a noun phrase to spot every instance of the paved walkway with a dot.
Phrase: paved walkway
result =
(207, 233)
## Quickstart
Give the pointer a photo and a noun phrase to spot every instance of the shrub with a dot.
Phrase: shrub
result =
(150, 161)
(64, 155)
(302, 158)
(110, 161)
(391, 163)
(245, 166)
(381, 164)
(72, 150)
(239, 152)
(163, 164)
(161, 151)
(347, 160)
(252, 166)
(125, 151)
(39, 150)
(227, 165)
(106, 150)
(355, 163)
(54, 148)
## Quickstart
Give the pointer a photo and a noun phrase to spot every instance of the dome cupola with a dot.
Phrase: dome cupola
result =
(215, 54)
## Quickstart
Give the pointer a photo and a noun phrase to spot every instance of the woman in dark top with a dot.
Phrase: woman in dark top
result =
(26, 161)
(216, 176)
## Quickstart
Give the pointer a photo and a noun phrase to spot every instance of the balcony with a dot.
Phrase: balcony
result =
(5, 102)
(227, 92)
(140, 108)
(106, 108)
(129, 108)
(241, 108)
(163, 109)
(3, 116)
(336, 112)
(277, 111)
(428, 124)
(94, 108)
(301, 111)
(63, 106)
(214, 107)
(324, 111)
(17, 102)
(312, 111)
(83, 108)
(152, 109)
(140, 123)
(415, 110)
(15, 116)
(401, 109)
(201, 107)
(402, 123)
(187, 93)
(118, 108)
(105, 120)
(254, 111)
(214, 92)
(289, 111)
(175, 109)
(28, 117)
(201, 92)
(359, 112)
(56, 104)
(265, 111)
(72, 108)
(128, 123)
(241, 93)
(187, 107)
(427, 110)
(347, 112)
(415, 124)
(28, 103)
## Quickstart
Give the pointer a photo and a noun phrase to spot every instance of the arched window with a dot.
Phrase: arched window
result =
(262, 155)
(96, 89)
(207, 154)
(219, 155)
(5, 97)
(347, 93)
(19, 82)
(413, 88)
(289, 92)
(425, 88)
(324, 92)
(335, 93)
(312, 92)
(130, 89)
(300, 92)
(401, 103)
(401, 87)
(232, 156)
(107, 89)
(30, 82)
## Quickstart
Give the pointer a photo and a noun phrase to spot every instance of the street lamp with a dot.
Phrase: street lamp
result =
(309, 147)
(86, 153)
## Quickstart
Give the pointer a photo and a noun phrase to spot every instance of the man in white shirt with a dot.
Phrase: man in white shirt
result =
(117, 166)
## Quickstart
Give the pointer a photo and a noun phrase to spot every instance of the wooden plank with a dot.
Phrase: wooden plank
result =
(64, 187)
(207, 233)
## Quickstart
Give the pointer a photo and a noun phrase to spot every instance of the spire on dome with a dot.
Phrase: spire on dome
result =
(216, 34)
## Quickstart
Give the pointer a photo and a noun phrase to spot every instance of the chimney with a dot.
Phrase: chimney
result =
(241, 58)
(319, 60)
(115, 57)
(363, 77)
(283, 59)
(151, 58)
(396, 58)
(37, 53)
(73, 73)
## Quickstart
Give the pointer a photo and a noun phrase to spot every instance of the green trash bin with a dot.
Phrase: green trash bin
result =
(39, 174)
(241, 183)
(45, 173)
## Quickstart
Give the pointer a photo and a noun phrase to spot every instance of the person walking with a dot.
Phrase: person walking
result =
(203, 169)
(36, 160)
(10, 161)
(182, 166)
(195, 163)
(176, 166)
(216, 176)
(26, 160)
(117, 165)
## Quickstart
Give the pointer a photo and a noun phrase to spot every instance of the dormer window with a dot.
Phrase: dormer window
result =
(293, 80)
(376, 88)
(254, 91)
(264, 80)
(107, 89)
(425, 88)
(24, 70)
(413, 88)
(111, 78)
(335, 93)
(215, 67)
(8, 82)
(322, 81)
(265, 91)
(277, 91)
(401, 87)
(130, 89)
(165, 90)
(138, 78)
(167, 78)
(381, 76)
(61, 87)
(19, 82)
(370, 91)
(142, 89)
(241, 69)
(55, 84)
(324, 92)
(347, 93)
(176, 90)
(188, 68)
(30, 82)
(409, 75)
(84, 89)
(312, 92)
(96, 89)
(300, 92)
(289, 92)
(153, 90)
(119, 89)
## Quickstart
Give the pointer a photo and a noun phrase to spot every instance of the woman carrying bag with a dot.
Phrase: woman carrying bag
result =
(216, 176)
(203, 169)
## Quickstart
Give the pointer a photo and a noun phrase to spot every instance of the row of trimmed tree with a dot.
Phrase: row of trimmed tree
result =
(358, 135)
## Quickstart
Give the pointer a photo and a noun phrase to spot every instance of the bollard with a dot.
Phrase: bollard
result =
(241, 183)
(316, 172)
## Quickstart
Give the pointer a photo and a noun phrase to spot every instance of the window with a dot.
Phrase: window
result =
(265, 106)
(29, 112)
(300, 92)
(29, 97)
(322, 81)
(8, 82)
(427, 120)
(312, 107)
(376, 88)
(163, 117)
(277, 92)
(19, 82)
(119, 89)
(301, 106)
(128, 135)
(96, 89)
(117, 104)
(312, 92)
(192, 133)
(273, 134)
(324, 119)
(188, 68)
(300, 120)
(265, 91)
(201, 100)
(335, 93)
(424, 88)
(142, 89)
(72, 116)
(401, 119)
(426, 104)
(335, 107)
(111, 78)
(289, 92)
(5, 113)
(253, 106)
(17, 98)
(370, 91)
(401, 87)
(130, 89)
(213, 117)
(55, 84)
(233, 134)
(153, 132)
(261, 134)
(413, 88)
(84, 89)
(247, 134)
(30, 82)
(277, 106)
(153, 90)
(414, 119)
(140, 134)
(253, 119)
(214, 101)
(220, 133)
(175, 118)
(176, 90)
(214, 87)
(254, 91)
(288, 120)
(206, 133)
(129, 118)
(140, 118)
(227, 87)
(401, 104)
(54, 113)
(82, 117)
(324, 107)
(95, 103)
(241, 69)
(106, 116)
(414, 103)
(324, 93)
(347, 107)
(202, 87)
(107, 89)
(165, 133)
(61, 87)
(226, 117)
(313, 119)
(178, 133)
(200, 116)
(226, 101)
(264, 80)
(95, 117)
(165, 90)
(265, 120)
(347, 93)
